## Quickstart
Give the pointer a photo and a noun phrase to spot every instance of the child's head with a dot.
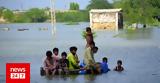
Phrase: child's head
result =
(119, 62)
(95, 49)
(88, 29)
(49, 54)
(55, 51)
(73, 50)
(64, 55)
(105, 59)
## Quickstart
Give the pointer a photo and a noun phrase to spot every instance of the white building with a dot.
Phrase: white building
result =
(108, 19)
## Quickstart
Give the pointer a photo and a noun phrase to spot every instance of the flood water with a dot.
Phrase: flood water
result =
(139, 50)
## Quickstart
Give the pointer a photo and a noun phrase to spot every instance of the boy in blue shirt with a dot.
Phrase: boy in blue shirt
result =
(104, 65)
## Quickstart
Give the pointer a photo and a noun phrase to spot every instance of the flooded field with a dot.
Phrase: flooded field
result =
(139, 50)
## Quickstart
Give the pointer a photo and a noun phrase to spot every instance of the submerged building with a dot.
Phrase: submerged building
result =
(106, 19)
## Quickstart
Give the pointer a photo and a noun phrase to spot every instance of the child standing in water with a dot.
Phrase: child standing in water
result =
(119, 66)
(90, 64)
(104, 65)
(89, 36)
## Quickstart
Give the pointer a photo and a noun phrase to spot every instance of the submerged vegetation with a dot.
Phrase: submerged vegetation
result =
(72, 23)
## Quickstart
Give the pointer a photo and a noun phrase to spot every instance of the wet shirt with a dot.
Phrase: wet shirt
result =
(88, 57)
(104, 67)
(64, 63)
(55, 61)
(72, 61)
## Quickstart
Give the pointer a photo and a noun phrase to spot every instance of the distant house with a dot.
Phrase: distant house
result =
(106, 19)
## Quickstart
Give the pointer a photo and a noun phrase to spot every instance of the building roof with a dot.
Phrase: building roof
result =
(105, 10)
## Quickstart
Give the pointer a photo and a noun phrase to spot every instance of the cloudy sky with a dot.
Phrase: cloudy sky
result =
(26, 4)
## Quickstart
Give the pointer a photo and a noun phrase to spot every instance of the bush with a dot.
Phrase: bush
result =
(37, 15)
(72, 16)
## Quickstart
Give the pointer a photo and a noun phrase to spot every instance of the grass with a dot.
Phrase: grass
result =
(72, 23)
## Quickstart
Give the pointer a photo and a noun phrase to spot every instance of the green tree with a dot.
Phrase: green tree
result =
(99, 4)
(37, 15)
(72, 16)
(8, 15)
(156, 5)
(22, 18)
(137, 11)
(1, 11)
(74, 6)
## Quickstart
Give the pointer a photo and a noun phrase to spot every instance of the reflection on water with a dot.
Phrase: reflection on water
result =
(139, 50)
(137, 34)
(90, 78)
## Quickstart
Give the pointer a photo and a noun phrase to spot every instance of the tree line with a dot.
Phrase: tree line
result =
(134, 11)
(32, 15)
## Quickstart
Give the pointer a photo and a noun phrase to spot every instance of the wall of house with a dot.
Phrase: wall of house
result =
(105, 20)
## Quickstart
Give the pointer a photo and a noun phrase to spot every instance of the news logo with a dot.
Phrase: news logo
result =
(18, 73)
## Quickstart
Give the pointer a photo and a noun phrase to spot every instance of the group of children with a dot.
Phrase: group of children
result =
(53, 64)
(70, 64)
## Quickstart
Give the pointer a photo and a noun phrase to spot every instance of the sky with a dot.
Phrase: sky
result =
(27, 4)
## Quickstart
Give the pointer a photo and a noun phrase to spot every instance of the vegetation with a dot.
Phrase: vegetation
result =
(99, 4)
(72, 23)
(1, 11)
(134, 11)
(8, 15)
(74, 6)
(72, 16)
(83, 34)
(36, 15)
(32, 15)
(22, 18)
(137, 11)
(41, 15)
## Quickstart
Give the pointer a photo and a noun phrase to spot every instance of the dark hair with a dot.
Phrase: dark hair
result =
(49, 54)
(88, 29)
(55, 49)
(64, 54)
(73, 48)
(96, 47)
(105, 59)
(119, 62)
